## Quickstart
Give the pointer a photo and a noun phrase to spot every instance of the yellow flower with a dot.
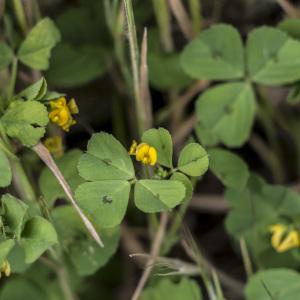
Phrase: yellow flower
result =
(283, 239)
(61, 112)
(132, 150)
(5, 268)
(144, 153)
(55, 146)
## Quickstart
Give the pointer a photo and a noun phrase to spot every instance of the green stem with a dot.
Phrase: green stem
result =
(20, 15)
(195, 11)
(163, 18)
(21, 181)
(265, 116)
(13, 78)
(134, 54)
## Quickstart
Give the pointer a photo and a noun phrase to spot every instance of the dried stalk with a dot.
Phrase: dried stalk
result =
(182, 18)
(46, 157)
(158, 239)
(144, 83)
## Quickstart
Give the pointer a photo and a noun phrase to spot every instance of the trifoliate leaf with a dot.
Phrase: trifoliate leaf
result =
(193, 160)
(26, 121)
(272, 57)
(226, 113)
(36, 49)
(158, 195)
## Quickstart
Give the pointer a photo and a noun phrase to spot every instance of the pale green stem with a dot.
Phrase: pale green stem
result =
(162, 14)
(195, 11)
(13, 79)
(20, 15)
(134, 54)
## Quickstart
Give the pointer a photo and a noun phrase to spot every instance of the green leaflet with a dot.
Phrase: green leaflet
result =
(26, 121)
(158, 195)
(36, 49)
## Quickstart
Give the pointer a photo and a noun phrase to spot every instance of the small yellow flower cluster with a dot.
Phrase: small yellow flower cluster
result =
(144, 153)
(55, 146)
(5, 268)
(284, 239)
(61, 112)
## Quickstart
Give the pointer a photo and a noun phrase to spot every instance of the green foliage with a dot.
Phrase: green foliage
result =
(83, 252)
(291, 27)
(5, 170)
(36, 91)
(5, 247)
(19, 288)
(211, 56)
(74, 66)
(105, 159)
(272, 57)
(167, 290)
(279, 284)
(186, 182)
(50, 187)
(220, 109)
(229, 168)
(105, 202)
(262, 205)
(165, 71)
(6, 55)
(158, 195)
(14, 211)
(193, 160)
(161, 140)
(38, 235)
(36, 49)
(26, 121)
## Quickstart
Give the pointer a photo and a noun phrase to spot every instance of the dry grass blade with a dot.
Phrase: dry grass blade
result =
(46, 157)
(289, 8)
(182, 18)
(144, 82)
(157, 241)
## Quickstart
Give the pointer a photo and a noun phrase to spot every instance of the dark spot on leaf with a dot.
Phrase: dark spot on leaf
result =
(228, 109)
(107, 199)
(216, 54)
(107, 161)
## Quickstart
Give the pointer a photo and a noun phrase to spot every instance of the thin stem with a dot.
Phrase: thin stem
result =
(157, 241)
(63, 280)
(46, 157)
(134, 54)
(13, 79)
(21, 181)
(20, 15)
(163, 18)
(246, 258)
(195, 11)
